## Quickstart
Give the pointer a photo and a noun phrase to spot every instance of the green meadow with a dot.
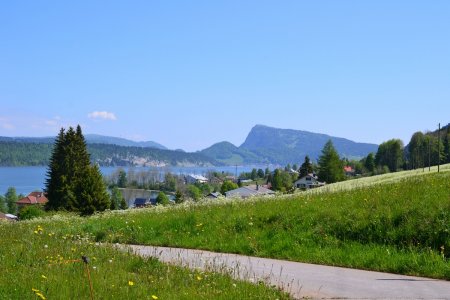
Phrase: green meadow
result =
(396, 223)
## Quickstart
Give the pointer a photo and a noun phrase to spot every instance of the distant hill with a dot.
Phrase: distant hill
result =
(37, 152)
(101, 139)
(229, 154)
(281, 146)
(90, 139)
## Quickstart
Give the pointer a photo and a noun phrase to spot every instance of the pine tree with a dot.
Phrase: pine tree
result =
(331, 168)
(72, 183)
(447, 147)
(306, 167)
(11, 199)
(2, 204)
(116, 198)
(369, 163)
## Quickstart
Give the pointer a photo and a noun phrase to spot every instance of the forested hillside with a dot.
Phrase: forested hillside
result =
(38, 154)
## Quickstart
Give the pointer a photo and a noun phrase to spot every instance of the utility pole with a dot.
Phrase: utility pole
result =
(439, 146)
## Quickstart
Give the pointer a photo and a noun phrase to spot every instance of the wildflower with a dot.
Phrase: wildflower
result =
(130, 283)
(199, 278)
(45, 246)
(44, 277)
(154, 297)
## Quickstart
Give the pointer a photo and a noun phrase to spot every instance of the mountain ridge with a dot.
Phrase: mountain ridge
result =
(282, 146)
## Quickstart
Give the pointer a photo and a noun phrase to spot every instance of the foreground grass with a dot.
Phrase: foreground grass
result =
(40, 260)
(400, 226)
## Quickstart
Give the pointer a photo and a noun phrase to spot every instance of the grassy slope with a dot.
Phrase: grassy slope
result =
(398, 223)
(44, 261)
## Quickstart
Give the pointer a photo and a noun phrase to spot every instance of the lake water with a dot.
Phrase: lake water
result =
(28, 179)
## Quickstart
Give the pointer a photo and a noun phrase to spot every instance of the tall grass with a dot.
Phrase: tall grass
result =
(40, 260)
(400, 226)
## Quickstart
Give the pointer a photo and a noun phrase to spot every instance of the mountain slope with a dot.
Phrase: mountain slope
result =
(265, 145)
(289, 146)
(13, 153)
(229, 154)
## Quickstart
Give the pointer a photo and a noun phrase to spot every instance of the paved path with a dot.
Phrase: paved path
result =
(305, 280)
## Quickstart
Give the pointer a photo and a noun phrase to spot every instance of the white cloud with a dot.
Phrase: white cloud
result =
(102, 115)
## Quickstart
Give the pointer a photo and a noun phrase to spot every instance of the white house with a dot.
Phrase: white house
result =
(309, 181)
(190, 179)
(248, 191)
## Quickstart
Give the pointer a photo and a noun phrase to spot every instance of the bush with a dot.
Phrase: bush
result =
(31, 212)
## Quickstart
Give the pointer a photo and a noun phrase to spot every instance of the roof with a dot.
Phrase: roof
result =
(247, 191)
(140, 201)
(9, 217)
(348, 169)
(33, 198)
(198, 177)
(215, 195)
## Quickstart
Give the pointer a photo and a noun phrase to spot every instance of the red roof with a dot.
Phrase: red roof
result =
(348, 169)
(33, 198)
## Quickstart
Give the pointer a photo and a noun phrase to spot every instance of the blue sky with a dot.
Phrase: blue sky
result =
(188, 74)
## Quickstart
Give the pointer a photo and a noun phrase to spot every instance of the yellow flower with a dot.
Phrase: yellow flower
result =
(44, 277)
(154, 297)
(130, 283)
(199, 278)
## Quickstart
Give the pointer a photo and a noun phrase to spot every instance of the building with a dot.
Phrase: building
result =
(214, 195)
(349, 171)
(191, 179)
(309, 181)
(248, 191)
(7, 217)
(34, 198)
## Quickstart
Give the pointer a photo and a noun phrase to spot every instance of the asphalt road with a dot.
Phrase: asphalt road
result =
(305, 280)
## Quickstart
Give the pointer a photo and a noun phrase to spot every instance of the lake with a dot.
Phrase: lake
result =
(28, 179)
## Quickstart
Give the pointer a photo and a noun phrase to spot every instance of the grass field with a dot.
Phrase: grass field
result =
(39, 260)
(395, 222)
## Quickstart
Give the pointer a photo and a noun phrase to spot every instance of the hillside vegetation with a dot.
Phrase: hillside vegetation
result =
(42, 260)
(14, 153)
(401, 225)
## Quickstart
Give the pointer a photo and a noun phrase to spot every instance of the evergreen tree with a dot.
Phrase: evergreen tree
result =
(2, 204)
(72, 183)
(369, 163)
(447, 147)
(281, 181)
(162, 199)
(331, 168)
(116, 198)
(260, 173)
(123, 204)
(179, 197)
(122, 181)
(11, 199)
(306, 167)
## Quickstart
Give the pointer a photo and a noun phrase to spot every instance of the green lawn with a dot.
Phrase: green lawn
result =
(400, 225)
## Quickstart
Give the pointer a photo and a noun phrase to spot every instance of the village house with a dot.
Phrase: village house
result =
(248, 191)
(7, 217)
(349, 171)
(191, 179)
(309, 181)
(34, 198)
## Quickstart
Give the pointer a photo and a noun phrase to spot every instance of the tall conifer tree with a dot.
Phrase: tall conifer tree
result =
(72, 183)
(331, 168)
